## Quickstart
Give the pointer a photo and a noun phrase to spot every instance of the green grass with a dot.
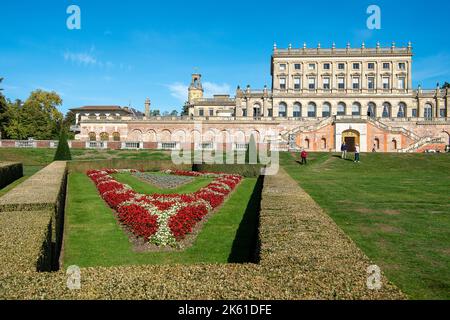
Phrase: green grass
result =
(94, 238)
(396, 207)
(147, 188)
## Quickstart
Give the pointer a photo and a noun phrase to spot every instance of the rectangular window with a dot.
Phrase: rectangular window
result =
(282, 67)
(200, 112)
(371, 66)
(244, 112)
(402, 66)
(341, 83)
(326, 66)
(297, 66)
(270, 112)
(312, 66)
(326, 83)
(386, 85)
(401, 83)
(297, 83)
(442, 113)
(371, 83)
(211, 112)
(341, 66)
(312, 83)
(356, 66)
(386, 66)
(414, 113)
(283, 83)
(355, 82)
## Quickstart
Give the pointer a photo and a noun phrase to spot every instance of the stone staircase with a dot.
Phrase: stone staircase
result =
(380, 125)
(422, 143)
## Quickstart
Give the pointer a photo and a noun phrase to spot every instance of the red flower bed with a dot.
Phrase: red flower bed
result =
(153, 216)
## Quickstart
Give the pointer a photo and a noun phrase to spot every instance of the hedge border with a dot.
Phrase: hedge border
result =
(10, 172)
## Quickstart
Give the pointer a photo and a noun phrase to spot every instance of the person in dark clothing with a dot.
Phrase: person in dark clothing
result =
(344, 149)
(304, 155)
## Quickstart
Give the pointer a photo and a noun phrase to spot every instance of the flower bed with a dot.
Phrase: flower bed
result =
(164, 181)
(162, 219)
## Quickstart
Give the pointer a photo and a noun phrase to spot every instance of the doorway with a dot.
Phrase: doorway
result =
(351, 138)
(350, 142)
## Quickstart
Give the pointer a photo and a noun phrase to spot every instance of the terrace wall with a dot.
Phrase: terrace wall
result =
(10, 172)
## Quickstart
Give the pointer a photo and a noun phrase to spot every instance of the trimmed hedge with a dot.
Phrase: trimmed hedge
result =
(145, 165)
(44, 191)
(304, 255)
(10, 172)
(245, 170)
(25, 242)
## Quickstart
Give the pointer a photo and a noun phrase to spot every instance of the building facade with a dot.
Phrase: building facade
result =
(319, 98)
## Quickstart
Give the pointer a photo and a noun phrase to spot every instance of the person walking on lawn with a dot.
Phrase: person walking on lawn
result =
(344, 150)
(304, 155)
(357, 153)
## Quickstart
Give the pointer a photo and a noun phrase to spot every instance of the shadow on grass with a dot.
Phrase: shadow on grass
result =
(246, 245)
(346, 159)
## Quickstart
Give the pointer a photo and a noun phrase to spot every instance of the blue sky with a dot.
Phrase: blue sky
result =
(129, 50)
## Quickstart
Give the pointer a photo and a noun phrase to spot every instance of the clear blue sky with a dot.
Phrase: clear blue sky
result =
(129, 50)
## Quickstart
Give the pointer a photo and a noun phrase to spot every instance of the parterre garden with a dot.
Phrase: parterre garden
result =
(148, 229)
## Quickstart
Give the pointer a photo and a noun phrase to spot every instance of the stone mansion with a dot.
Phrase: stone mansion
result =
(319, 98)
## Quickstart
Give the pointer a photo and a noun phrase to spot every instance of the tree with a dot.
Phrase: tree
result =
(251, 155)
(155, 113)
(174, 113)
(62, 151)
(68, 121)
(37, 117)
(3, 108)
(446, 85)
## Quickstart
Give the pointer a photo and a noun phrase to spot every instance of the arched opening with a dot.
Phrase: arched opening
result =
(386, 110)
(297, 113)
(116, 136)
(351, 138)
(356, 109)
(323, 143)
(307, 143)
(256, 111)
(341, 109)
(104, 136)
(401, 110)
(326, 110)
(371, 110)
(394, 144)
(428, 111)
(282, 110)
(376, 144)
(311, 110)
(92, 136)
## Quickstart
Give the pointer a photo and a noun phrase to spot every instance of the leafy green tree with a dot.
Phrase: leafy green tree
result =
(446, 85)
(3, 108)
(68, 121)
(63, 150)
(174, 113)
(155, 113)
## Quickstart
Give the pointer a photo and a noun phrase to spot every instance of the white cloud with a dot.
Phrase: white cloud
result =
(80, 58)
(179, 90)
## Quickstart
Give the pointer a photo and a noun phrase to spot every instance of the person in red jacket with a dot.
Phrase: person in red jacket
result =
(304, 155)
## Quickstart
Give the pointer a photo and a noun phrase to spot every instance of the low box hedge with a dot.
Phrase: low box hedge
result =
(245, 170)
(10, 172)
(144, 165)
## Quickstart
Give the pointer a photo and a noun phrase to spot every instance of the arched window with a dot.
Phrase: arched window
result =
(401, 110)
(356, 109)
(116, 136)
(428, 111)
(394, 144)
(92, 136)
(104, 136)
(386, 110)
(341, 109)
(324, 143)
(311, 110)
(282, 107)
(371, 110)
(326, 110)
(256, 110)
(297, 110)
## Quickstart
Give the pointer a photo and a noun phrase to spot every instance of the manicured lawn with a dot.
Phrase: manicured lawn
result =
(94, 238)
(396, 207)
(147, 188)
